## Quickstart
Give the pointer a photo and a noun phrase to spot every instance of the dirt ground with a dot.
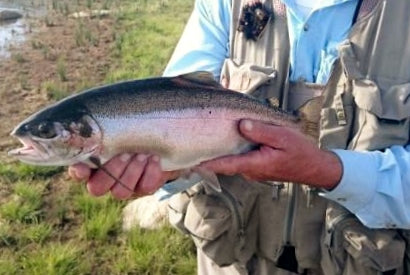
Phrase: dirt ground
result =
(66, 52)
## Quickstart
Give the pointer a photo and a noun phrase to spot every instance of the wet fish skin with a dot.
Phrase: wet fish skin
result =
(185, 120)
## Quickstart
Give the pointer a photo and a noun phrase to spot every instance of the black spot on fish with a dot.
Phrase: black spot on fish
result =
(85, 129)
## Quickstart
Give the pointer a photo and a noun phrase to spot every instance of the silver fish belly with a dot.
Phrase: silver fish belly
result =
(182, 138)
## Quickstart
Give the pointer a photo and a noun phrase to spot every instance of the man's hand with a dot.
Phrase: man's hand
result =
(141, 174)
(284, 155)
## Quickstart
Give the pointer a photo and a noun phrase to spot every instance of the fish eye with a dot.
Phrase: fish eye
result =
(46, 130)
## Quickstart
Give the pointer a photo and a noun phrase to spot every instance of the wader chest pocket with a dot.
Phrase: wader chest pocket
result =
(349, 247)
(246, 78)
(383, 116)
(221, 224)
(207, 217)
(211, 223)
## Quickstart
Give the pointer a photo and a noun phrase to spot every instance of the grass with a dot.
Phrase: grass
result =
(19, 58)
(61, 69)
(50, 225)
(25, 204)
(56, 258)
(10, 173)
(138, 46)
(55, 90)
(102, 216)
(144, 256)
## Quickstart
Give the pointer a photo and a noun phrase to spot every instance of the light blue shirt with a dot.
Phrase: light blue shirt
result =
(314, 39)
(375, 185)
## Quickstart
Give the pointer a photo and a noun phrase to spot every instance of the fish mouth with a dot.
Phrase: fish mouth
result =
(30, 150)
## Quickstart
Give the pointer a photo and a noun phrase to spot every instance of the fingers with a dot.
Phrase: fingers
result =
(129, 178)
(101, 182)
(272, 139)
(138, 176)
(152, 178)
(125, 176)
(232, 165)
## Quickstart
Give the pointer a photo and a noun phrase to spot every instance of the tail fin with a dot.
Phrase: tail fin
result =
(309, 114)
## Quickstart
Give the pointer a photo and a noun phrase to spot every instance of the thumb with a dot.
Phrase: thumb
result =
(79, 172)
(263, 133)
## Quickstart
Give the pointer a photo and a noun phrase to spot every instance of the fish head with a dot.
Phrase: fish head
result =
(60, 140)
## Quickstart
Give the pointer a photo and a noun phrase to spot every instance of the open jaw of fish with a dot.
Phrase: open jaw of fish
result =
(52, 143)
(184, 120)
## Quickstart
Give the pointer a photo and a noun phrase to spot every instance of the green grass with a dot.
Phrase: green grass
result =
(142, 255)
(23, 207)
(151, 31)
(56, 258)
(51, 225)
(55, 90)
(101, 216)
(20, 171)
(61, 69)
(36, 233)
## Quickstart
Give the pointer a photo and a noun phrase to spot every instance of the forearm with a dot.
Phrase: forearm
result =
(375, 186)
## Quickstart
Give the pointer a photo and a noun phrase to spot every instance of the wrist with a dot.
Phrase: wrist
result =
(329, 171)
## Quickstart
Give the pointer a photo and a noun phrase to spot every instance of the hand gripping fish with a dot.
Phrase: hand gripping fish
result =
(185, 120)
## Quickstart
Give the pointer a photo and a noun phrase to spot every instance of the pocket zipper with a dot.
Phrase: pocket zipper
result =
(290, 213)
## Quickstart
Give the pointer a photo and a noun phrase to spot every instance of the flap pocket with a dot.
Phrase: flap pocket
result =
(248, 77)
(380, 95)
(392, 104)
(382, 115)
(380, 249)
(349, 247)
(207, 217)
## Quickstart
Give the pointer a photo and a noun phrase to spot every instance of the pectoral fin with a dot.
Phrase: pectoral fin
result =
(188, 179)
(180, 184)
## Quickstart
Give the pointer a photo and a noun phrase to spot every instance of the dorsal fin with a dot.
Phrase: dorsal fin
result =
(201, 78)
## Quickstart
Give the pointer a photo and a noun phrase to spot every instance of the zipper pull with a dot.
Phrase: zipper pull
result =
(276, 189)
(309, 196)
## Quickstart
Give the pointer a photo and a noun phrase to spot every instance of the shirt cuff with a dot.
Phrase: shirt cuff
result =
(358, 184)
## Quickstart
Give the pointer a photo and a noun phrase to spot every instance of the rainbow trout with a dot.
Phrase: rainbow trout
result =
(185, 120)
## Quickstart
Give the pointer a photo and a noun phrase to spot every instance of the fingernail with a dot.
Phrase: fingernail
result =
(125, 157)
(77, 176)
(247, 125)
(141, 157)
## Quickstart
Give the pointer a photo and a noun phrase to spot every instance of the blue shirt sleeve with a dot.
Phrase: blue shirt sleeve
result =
(204, 44)
(376, 186)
